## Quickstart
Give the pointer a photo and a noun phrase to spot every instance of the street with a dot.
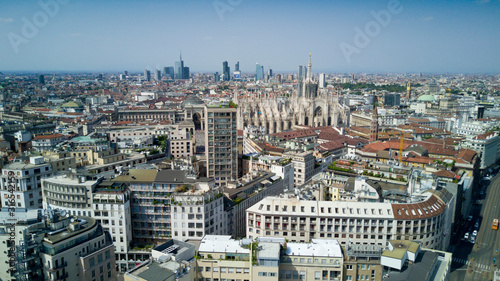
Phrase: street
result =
(475, 261)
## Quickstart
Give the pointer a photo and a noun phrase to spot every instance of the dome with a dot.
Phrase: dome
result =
(428, 98)
(193, 100)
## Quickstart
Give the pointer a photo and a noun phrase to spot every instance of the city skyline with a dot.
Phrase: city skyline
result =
(358, 36)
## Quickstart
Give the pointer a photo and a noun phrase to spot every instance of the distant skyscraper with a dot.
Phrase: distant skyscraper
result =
(179, 68)
(99, 76)
(41, 79)
(322, 80)
(270, 72)
(216, 77)
(278, 78)
(157, 75)
(185, 72)
(225, 71)
(147, 75)
(169, 72)
(237, 66)
(126, 73)
(259, 72)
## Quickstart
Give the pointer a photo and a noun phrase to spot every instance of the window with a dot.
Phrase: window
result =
(91, 262)
(349, 267)
(317, 275)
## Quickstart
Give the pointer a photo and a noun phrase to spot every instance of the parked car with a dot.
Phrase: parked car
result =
(476, 225)
(466, 236)
(473, 239)
(469, 218)
(474, 234)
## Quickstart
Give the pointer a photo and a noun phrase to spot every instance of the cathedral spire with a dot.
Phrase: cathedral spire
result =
(309, 66)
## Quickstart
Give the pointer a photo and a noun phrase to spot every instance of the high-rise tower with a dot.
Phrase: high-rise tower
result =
(374, 124)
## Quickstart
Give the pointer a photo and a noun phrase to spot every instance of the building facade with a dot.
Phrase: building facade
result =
(221, 144)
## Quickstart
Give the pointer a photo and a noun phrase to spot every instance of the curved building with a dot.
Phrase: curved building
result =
(427, 220)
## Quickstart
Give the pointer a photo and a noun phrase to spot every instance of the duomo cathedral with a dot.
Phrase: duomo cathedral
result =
(309, 106)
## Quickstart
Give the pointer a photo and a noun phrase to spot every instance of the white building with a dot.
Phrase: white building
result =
(21, 183)
(107, 202)
(303, 164)
(487, 145)
(297, 220)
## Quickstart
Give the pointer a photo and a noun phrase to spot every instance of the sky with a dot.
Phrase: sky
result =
(343, 36)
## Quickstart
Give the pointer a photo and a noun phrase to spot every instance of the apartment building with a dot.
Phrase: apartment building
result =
(173, 204)
(181, 140)
(221, 257)
(42, 143)
(487, 145)
(303, 165)
(21, 183)
(428, 220)
(221, 144)
(57, 246)
(107, 202)
(249, 190)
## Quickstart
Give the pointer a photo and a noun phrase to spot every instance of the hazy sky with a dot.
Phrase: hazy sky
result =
(343, 36)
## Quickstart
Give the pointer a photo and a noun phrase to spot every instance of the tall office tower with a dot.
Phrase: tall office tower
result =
(179, 68)
(99, 76)
(237, 66)
(352, 77)
(122, 77)
(278, 78)
(221, 144)
(259, 72)
(157, 75)
(165, 71)
(322, 80)
(300, 75)
(41, 79)
(270, 72)
(169, 72)
(23, 181)
(147, 75)
(185, 72)
(216, 77)
(225, 71)
(126, 73)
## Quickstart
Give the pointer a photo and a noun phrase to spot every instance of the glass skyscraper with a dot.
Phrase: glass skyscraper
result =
(259, 72)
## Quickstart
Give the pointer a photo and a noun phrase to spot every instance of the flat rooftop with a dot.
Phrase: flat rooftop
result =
(317, 248)
(221, 244)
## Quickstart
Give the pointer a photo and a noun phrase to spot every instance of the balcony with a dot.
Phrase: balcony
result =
(61, 277)
(61, 265)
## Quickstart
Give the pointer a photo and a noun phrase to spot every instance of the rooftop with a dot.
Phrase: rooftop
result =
(221, 244)
(317, 248)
